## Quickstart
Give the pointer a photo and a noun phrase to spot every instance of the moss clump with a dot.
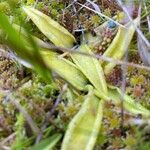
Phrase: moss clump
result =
(10, 73)
(4, 7)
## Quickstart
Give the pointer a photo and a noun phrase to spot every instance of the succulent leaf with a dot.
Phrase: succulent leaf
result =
(119, 45)
(65, 69)
(116, 95)
(42, 60)
(50, 28)
(91, 68)
(83, 129)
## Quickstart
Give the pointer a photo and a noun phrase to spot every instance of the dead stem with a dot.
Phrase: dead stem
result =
(123, 89)
(101, 14)
(49, 114)
(10, 137)
(28, 118)
(130, 18)
(104, 58)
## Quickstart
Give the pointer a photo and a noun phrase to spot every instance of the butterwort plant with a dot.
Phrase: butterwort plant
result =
(82, 72)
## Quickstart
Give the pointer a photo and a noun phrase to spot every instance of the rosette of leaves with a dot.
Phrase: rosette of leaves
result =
(84, 73)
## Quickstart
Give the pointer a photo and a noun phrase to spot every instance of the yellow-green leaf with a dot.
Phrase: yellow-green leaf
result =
(132, 106)
(91, 68)
(50, 28)
(83, 129)
(119, 45)
(42, 60)
(65, 69)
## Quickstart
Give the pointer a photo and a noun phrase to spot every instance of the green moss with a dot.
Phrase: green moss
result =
(139, 79)
(38, 98)
(4, 8)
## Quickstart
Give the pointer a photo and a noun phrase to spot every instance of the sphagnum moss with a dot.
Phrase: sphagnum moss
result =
(113, 124)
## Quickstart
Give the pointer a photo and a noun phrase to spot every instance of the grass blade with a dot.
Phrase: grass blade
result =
(17, 42)
(45, 61)
(47, 144)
